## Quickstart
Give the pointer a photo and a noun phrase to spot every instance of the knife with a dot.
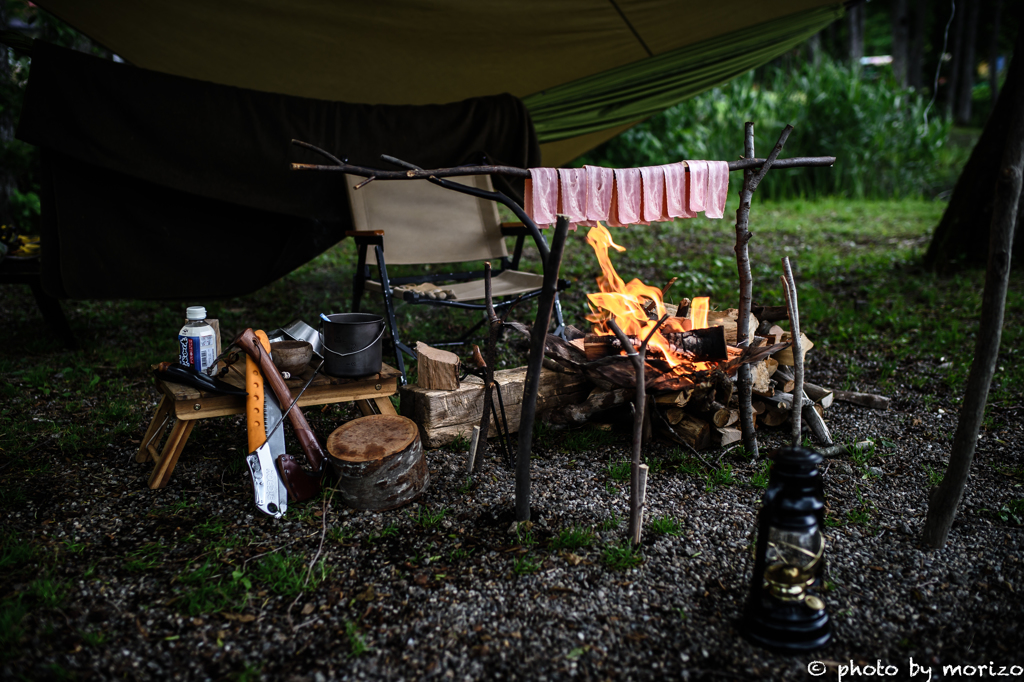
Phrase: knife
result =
(265, 480)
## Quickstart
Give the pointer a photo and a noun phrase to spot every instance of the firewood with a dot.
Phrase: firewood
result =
(729, 435)
(758, 406)
(679, 398)
(837, 450)
(597, 401)
(700, 344)
(821, 396)
(785, 356)
(770, 313)
(814, 421)
(693, 431)
(774, 417)
(674, 415)
(716, 413)
(872, 400)
(437, 369)
(727, 319)
(772, 364)
(779, 401)
(784, 380)
(759, 376)
(724, 386)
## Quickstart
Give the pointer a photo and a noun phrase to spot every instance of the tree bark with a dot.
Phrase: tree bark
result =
(956, 242)
(968, 64)
(956, 49)
(993, 52)
(900, 40)
(915, 59)
(855, 34)
(945, 498)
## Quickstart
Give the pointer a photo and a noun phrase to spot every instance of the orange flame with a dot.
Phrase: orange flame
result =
(627, 304)
(699, 312)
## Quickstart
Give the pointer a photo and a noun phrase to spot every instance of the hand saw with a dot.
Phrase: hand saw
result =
(266, 438)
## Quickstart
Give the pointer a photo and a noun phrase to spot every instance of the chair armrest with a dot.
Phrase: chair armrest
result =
(366, 236)
(514, 230)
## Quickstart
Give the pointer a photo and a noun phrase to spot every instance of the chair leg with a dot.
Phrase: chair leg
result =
(389, 306)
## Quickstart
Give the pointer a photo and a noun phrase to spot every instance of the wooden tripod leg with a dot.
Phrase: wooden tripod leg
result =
(169, 456)
(383, 406)
(155, 430)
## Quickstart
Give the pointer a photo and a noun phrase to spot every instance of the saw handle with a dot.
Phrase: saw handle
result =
(248, 342)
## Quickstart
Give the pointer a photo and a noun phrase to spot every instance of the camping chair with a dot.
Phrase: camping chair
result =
(415, 222)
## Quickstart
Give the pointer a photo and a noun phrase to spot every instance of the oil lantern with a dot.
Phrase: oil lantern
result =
(783, 613)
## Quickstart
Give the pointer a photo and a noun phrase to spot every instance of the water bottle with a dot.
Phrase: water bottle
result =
(197, 342)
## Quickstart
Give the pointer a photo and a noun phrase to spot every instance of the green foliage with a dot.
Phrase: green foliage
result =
(666, 525)
(720, 476)
(759, 479)
(357, 646)
(1012, 512)
(934, 475)
(610, 523)
(524, 565)
(876, 131)
(582, 440)
(426, 518)
(619, 470)
(622, 556)
(145, 558)
(572, 538)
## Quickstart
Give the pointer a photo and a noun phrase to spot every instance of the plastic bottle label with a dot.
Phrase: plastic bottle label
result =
(197, 350)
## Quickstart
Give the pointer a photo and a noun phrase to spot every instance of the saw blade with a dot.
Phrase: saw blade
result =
(272, 423)
(265, 481)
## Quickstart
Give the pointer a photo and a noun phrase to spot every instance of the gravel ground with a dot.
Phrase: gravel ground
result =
(191, 582)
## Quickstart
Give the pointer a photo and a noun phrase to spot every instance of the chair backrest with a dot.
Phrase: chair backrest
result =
(424, 223)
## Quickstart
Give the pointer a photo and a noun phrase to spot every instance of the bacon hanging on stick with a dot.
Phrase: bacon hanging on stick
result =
(718, 189)
(572, 183)
(600, 184)
(676, 187)
(542, 196)
(653, 178)
(698, 188)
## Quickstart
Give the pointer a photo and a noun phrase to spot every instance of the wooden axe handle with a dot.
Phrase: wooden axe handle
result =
(272, 376)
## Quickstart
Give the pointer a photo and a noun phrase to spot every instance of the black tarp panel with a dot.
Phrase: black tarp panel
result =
(154, 180)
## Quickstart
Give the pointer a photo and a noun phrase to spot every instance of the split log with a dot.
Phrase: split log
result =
(786, 382)
(779, 401)
(821, 396)
(758, 406)
(436, 369)
(759, 378)
(785, 356)
(700, 344)
(597, 401)
(729, 435)
(444, 416)
(718, 414)
(689, 430)
(773, 417)
(872, 400)
(679, 398)
(725, 319)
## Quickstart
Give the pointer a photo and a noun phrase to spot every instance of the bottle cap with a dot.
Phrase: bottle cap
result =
(195, 312)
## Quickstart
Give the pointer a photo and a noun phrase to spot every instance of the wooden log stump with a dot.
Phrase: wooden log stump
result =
(436, 369)
(379, 462)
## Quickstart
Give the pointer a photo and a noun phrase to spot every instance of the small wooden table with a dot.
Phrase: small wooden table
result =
(182, 406)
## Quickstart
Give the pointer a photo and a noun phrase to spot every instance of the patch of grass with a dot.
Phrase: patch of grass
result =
(622, 556)
(525, 565)
(93, 638)
(459, 443)
(619, 470)
(15, 553)
(286, 574)
(1012, 512)
(934, 475)
(459, 554)
(721, 476)
(341, 534)
(467, 485)
(357, 646)
(858, 516)
(145, 558)
(390, 531)
(610, 523)
(524, 535)
(12, 612)
(759, 479)
(205, 588)
(691, 466)
(666, 525)
(572, 538)
(428, 519)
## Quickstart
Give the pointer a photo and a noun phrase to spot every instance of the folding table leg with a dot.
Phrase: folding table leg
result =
(389, 305)
(172, 450)
(155, 430)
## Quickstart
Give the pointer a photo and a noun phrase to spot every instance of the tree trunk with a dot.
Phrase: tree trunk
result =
(945, 498)
(993, 52)
(915, 59)
(855, 44)
(956, 241)
(968, 65)
(900, 40)
(956, 49)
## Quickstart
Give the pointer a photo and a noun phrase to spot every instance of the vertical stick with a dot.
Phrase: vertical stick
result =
(643, 469)
(538, 339)
(751, 180)
(637, 358)
(789, 287)
(473, 442)
(490, 351)
(744, 382)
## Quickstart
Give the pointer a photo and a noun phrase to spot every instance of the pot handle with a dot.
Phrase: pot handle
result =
(320, 331)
